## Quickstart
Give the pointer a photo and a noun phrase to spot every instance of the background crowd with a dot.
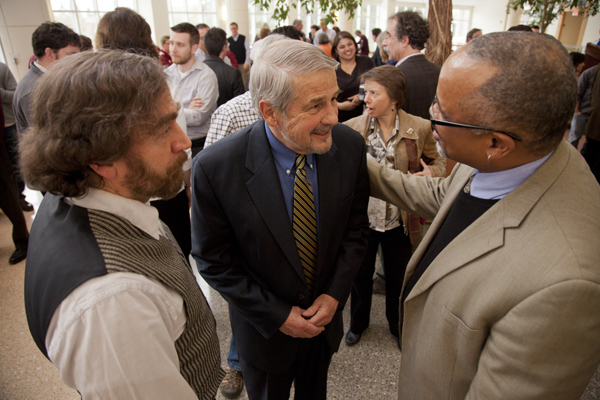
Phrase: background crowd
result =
(203, 87)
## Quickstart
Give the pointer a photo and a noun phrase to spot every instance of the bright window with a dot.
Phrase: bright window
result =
(367, 18)
(311, 19)
(258, 18)
(83, 15)
(416, 7)
(193, 11)
(525, 18)
(461, 25)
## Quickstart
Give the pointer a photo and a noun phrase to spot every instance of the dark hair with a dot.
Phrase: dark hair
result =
(471, 33)
(289, 31)
(392, 79)
(376, 32)
(336, 29)
(214, 40)
(186, 27)
(535, 27)
(89, 111)
(576, 58)
(336, 41)
(520, 28)
(124, 29)
(315, 27)
(53, 35)
(234, 23)
(202, 26)
(358, 32)
(532, 100)
(85, 43)
(412, 25)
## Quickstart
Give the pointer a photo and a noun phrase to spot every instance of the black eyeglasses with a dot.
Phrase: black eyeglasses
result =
(435, 122)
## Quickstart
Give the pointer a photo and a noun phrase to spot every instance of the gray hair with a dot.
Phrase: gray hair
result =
(272, 74)
(533, 100)
(296, 22)
(262, 44)
(322, 38)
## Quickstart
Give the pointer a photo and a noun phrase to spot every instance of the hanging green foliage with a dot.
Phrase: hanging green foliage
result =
(281, 8)
(545, 12)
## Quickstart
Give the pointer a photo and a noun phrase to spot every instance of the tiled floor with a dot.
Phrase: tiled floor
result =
(366, 371)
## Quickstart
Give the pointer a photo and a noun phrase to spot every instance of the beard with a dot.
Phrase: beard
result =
(144, 182)
(440, 150)
(182, 59)
(312, 147)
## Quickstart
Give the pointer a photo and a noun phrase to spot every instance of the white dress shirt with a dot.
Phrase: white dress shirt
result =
(330, 34)
(200, 55)
(113, 337)
(199, 81)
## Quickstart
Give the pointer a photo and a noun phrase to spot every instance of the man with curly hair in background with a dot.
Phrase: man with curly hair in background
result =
(407, 33)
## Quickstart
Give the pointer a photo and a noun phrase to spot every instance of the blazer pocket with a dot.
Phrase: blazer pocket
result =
(465, 344)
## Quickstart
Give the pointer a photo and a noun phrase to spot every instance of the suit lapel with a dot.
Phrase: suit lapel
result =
(487, 232)
(328, 171)
(270, 203)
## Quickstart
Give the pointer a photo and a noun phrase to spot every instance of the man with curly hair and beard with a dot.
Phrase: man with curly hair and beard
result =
(111, 299)
(407, 33)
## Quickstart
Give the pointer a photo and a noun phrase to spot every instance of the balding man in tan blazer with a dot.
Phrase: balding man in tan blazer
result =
(502, 298)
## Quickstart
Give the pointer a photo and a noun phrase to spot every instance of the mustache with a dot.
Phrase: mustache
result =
(323, 129)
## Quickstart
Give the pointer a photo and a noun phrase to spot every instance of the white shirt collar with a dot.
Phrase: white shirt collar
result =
(406, 58)
(143, 216)
(39, 66)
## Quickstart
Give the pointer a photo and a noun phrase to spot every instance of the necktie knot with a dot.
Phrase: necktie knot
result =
(300, 161)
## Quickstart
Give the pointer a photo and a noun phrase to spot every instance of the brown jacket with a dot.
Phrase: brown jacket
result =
(411, 128)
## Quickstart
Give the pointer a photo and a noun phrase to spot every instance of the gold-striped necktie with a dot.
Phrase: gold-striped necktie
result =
(305, 222)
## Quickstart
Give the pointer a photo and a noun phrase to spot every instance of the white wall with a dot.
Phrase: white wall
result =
(591, 33)
(18, 20)
(488, 15)
(156, 13)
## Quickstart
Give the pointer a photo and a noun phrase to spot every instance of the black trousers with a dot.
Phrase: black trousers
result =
(308, 372)
(176, 215)
(9, 201)
(397, 250)
(11, 141)
(591, 152)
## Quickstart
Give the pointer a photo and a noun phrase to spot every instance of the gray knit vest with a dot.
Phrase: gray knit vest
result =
(126, 248)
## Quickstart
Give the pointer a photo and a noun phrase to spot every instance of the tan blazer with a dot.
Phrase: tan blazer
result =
(510, 309)
(411, 128)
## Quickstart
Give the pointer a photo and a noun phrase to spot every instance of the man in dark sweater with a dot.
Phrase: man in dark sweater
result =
(407, 33)
(239, 46)
(110, 298)
(230, 79)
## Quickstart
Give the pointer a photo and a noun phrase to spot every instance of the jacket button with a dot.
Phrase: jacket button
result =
(301, 296)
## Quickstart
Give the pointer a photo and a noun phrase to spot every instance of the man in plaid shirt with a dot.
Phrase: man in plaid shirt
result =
(232, 116)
